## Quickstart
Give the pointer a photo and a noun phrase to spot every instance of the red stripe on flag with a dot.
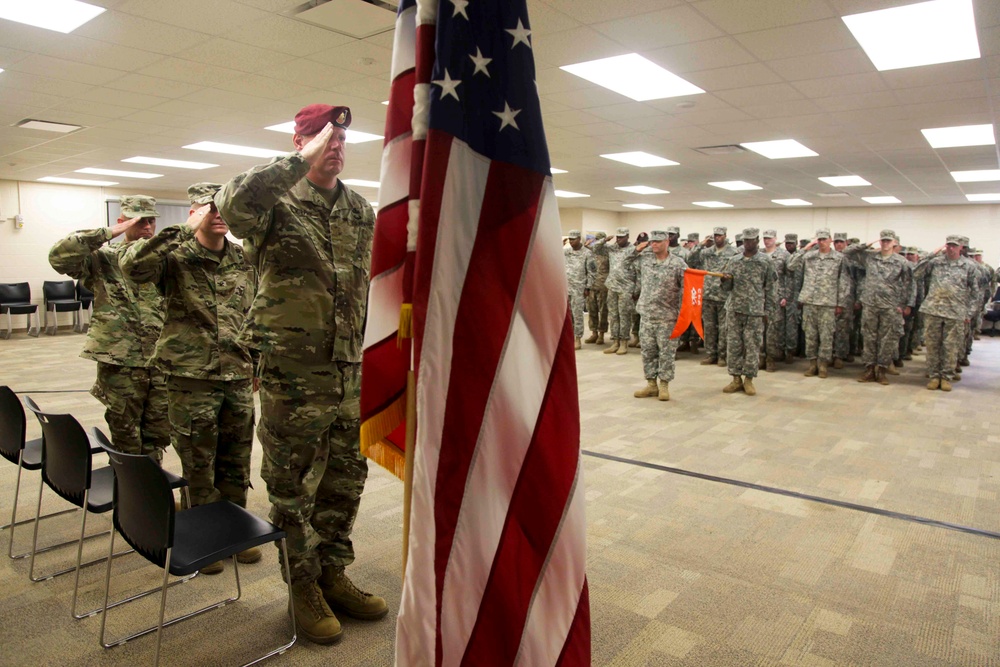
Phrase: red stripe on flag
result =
(576, 650)
(389, 244)
(397, 120)
(532, 521)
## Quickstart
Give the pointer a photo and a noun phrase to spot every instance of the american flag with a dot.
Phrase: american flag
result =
(495, 564)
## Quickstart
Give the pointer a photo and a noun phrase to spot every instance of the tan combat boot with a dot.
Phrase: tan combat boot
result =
(709, 361)
(341, 594)
(838, 363)
(622, 349)
(648, 391)
(212, 568)
(748, 387)
(614, 346)
(957, 377)
(695, 346)
(891, 370)
(734, 386)
(664, 394)
(945, 385)
(769, 365)
(812, 369)
(935, 383)
(880, 375)
(592, 338)
(721, 362)
(600, 339)
(822, 370)
(868, 375)
(313, 617)
(576, 343)
(633, 341)
(789, 357)
(251, 555)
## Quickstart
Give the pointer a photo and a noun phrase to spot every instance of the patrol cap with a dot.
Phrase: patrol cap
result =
(674, 230)
(911, 250)
(138, 206)
(965, 241)
(887, 234)
(791, 238)
(768, 234)
(853, 240)
(976, 251)
(823, 233)
(751, 233)
(657, 235)
(694, 236)
(622, 231)
(719, 230)
(313, 118)
(203, 193)
(573, 234)
(600, 235)
(739, 237)
(954, 239)
(840, 236)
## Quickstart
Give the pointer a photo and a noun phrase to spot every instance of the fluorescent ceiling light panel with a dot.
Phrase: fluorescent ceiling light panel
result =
(233, 149)
(735, 185)
(844, 181)
(882, 200)
(644, 207)
(779, 149)
(792, 202)
(712, 204)
(74, 181)
(640, 159)
(992, 196)
(47, 126)
(353, 136)
(976, 175)
(963, 135)
(63, 16)
(925, 33)
(162, 162)
(642, 190)
(361, 183)
(566, 194)
(633, 76)
(557, 171)
(116, 172)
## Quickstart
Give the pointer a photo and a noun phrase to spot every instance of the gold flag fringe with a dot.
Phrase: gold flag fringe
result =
(374, 432)
(405, 324)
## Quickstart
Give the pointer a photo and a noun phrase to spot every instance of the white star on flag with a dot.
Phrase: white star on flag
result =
(507, 117)
(460, 6)
(520, 34)
(448, 85)
(480, 62)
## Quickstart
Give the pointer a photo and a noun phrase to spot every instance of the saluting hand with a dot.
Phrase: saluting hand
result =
(198, 217)
(314, 150)
(641, 246)
(119, 228)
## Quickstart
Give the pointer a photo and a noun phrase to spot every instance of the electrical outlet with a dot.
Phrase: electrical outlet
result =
(19, 221)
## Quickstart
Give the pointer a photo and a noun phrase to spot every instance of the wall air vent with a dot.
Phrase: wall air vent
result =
(832, 194)
(728, 149)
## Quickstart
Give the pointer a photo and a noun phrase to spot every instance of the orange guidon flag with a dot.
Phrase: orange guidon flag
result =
(694, 281)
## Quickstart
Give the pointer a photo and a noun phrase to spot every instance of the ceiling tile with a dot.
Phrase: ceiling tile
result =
(41, 84)
(234, 55)
(819, 65)
(737, 76)
(576, 46)
(944, 91)
(736, 16)
(777, 92)
(794, 41)
(851, 84)
(215, 18)
(310, 72)
(781, 109)
(361, 57)
(68, 70)
(698, 56)
(545, 19)
(139, 83)
(187, 71)
(668, 27)
(289, 36)
(597, 11)
(915, 77)
(854, 102)
(139, 33)
(132, 99)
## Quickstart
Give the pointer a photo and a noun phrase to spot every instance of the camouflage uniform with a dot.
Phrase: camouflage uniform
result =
(887, 291)
(793, 310)
(312, 251)
(125, 325)
(209, 374)
(752, 296)
(844, 329)
(774, 335)
(621, 284)
(951, 299)
(597, 303)
(826, 284)
(660, 284)
(713, 313)
(580, 270)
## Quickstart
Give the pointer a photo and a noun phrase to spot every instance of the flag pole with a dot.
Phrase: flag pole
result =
(411, 437)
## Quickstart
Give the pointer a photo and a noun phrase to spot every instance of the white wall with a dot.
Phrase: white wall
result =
(922, 226)
(50, 212)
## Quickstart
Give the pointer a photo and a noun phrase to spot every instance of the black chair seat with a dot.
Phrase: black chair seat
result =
(63, 305)
(208, 533)
(18, 308)
(31, 459)
(102, 490)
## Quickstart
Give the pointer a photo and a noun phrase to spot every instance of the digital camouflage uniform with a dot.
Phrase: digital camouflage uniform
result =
(845, 325)
(752, 294)
(124, 327)
(621, 284)
(826, 284)
(597, 302)
(774, 334)
(580, 271)
(312, 251)
(660, 284)
(793, 310)
(951, 299)
(209, 373)
(887, 290)
(713, 313)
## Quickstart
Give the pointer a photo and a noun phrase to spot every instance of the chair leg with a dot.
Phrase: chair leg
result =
(79, 552)
(13, 515)
(163, 608)
(10, 328)
(78, 321)
(38, 325)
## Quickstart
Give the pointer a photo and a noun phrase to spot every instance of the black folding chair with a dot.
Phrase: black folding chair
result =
(86, 299)
(181, 542)
(60, 297)
(15, 299)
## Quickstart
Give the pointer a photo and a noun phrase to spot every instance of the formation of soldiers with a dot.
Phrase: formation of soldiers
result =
(830, 300)
(187, 325)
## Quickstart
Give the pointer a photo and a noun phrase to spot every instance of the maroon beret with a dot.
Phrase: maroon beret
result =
(313, 118)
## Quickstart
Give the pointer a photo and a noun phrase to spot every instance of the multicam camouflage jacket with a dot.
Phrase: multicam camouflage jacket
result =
(952, 288)
(753, 288)
(312, 261)
(206, 300)
(826, 280)
(888, 280)
(712, 259)
(127, 316)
